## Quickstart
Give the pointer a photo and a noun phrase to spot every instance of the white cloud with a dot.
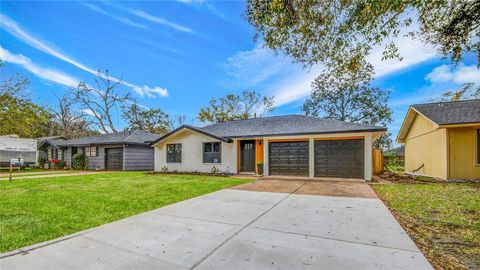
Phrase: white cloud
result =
(150, 92)
(12, 27)
(158, 20)
(257, 65)
(459, 75)
(41, 72)
(88, 112)
(117, 18)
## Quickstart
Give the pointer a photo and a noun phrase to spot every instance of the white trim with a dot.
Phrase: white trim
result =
(266, 171)
(368, 157)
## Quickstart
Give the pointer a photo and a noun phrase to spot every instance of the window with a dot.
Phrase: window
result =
(91, 151)
(212, 152)
(60, 154)
(50, 154)
(478, 146)
(174, 153)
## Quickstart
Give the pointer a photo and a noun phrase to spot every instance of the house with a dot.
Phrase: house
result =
(47, 147)
(291, 145)
(443, 139)
(13, 147)
(127, 150)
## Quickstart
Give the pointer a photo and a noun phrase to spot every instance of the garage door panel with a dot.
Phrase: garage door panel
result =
(339, 158)
(288, 158)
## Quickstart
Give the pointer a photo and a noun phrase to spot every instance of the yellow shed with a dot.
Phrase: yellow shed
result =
(443, 139)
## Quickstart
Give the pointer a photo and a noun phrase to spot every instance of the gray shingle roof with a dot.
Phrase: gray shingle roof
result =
(458, 112)
(138, 137)
(277, 126)
(285, 125)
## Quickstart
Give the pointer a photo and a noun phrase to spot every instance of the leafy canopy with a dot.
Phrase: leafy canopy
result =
(18, 115)
(345, 31)
(151, 120)
(349, 97)
(249, 104)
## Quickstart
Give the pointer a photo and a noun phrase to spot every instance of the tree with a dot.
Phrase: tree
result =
(18, 115)
(333, 32)
(151, 120)
(69, 122)
(176, 121)
(249, 104)
(350, 98)
(466, 91)
(102, 101)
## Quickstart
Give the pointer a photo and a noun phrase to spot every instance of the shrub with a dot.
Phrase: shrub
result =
(41, 162)
(391, 162)
(215, 170)
(59, 164)
(79, 162)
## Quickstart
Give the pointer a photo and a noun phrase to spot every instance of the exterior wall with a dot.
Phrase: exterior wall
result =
(462, 153)
(192, 154)
(67, 156)
(427, 145)
(138, 158)
(258, 154)
(97, 162)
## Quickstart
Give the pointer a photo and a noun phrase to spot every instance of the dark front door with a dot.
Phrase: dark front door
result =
(288, 158)
(247, 156)
(74, 152)
(339, 158)
(113, 159)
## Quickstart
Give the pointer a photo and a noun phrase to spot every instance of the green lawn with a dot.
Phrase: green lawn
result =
(23, 170)
(443, 220)
(36, 210)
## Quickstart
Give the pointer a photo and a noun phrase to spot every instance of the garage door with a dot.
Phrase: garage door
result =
(339, 158)
(288, 158)
(114, 159)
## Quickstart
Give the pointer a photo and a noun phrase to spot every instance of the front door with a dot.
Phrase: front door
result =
(247, 156)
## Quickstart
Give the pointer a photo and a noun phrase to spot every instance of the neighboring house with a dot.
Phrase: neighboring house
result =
(292, 145)
(126, 150)
(443, 139)
(47, 147)
(13, 147)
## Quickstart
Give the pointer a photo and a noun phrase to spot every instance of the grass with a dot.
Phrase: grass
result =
(33, 211)
(443, 220)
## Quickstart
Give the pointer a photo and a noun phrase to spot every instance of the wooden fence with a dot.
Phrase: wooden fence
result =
(377, 161)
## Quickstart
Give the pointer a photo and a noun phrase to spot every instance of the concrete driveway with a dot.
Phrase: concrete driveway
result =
(264, 225)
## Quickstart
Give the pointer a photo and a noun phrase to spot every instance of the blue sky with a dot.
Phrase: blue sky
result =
(177, 55)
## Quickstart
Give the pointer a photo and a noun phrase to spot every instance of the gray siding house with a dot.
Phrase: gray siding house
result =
(126, 150)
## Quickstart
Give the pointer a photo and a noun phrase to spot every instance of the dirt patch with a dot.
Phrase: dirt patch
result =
(320, 188)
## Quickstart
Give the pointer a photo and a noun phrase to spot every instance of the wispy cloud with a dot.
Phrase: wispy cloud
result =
(13, 28)
(458, 75)
(41, 72)
(158, 20)
(117, 18)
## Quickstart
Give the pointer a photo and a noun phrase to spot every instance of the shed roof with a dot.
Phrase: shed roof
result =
(139, 137)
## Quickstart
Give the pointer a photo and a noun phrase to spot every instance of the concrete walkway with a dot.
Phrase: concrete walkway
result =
(239, 228)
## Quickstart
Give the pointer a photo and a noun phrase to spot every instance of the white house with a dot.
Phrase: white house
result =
(291, 145)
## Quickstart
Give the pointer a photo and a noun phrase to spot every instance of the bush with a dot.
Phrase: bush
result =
(79, 162)
(59, 164)
(41, 162)
(391, 162)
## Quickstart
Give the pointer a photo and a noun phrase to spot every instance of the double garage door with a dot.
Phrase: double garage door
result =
(333, 158)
